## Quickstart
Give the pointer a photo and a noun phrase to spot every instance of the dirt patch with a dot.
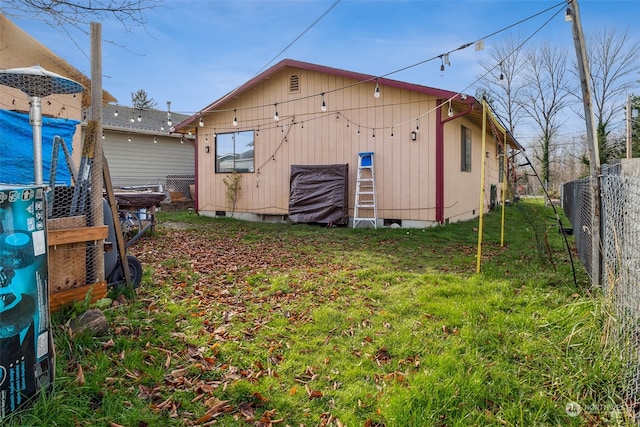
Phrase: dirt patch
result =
(174, 225)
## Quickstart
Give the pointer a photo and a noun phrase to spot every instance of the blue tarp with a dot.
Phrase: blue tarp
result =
(16, 147)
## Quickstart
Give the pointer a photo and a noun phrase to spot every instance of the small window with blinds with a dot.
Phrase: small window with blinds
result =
(294, 83)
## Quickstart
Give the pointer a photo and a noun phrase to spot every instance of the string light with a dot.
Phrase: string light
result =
(169, 122)
(450, 112)
(155, 140)
(129, 139)
(391, 132)
(132, 119)
(444, 61)
(376, 93)
(276, 117)
(115, 113)
(235, 118)
(323, 107)
(374, 133)
(162, 126)
(139, 118)
(201, 122)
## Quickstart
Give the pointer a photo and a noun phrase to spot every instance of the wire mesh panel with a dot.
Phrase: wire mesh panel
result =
(576, 202)
(71, 207)
(621, 268)
(180, 184)
(620, 252)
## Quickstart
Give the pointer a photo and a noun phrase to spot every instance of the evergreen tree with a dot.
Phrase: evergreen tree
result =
(141, 100)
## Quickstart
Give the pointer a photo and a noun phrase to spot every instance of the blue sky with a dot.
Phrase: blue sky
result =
(194, 51)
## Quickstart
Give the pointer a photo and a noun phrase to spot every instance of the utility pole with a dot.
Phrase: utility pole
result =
(629, 136)
(573, 12)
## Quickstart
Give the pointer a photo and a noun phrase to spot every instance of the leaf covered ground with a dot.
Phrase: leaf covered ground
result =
(239, 324)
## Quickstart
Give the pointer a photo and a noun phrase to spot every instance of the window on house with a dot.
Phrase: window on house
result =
(234, 152)
(465, 150)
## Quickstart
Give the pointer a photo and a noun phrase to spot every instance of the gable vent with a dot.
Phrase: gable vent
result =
(294, 83)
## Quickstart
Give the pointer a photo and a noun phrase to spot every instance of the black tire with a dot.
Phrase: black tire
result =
(135, 269)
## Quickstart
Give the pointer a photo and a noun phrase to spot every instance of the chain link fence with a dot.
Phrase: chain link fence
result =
(620, 261)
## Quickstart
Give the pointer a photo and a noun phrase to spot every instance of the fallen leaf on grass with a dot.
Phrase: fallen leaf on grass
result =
(80, 376)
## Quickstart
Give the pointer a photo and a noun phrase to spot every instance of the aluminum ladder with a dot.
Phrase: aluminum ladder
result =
(365, 208)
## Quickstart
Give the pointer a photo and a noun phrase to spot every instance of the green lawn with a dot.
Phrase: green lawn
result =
(240, 323)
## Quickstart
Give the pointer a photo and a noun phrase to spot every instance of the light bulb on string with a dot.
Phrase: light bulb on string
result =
(417, 126)
(374, 133)
(376, 93)
(139, 118)
(129, 139)
(115, 113)
(162, 126)
(276, 117)
(235, 118)
(501, 73)
(155, 140)
(391, 133)
(201, 122)
(441, 63)
(132, 119)
(323, 107)
(358, 130)
(450, 112)
(169, 122)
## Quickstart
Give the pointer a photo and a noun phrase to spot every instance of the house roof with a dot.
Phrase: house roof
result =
(475, 107)
(152, 121)
(19, 50)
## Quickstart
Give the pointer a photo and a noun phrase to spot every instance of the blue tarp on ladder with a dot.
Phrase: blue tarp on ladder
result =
(16, 147)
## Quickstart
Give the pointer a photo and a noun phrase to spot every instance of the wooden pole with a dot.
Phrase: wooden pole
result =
(96, 168)
(592, 139)
(629, 137)
(504, 184)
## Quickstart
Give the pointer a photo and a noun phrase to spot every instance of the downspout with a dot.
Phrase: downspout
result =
(440, 153)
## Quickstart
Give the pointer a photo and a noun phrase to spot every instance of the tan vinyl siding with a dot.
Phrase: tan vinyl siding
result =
(405, 169)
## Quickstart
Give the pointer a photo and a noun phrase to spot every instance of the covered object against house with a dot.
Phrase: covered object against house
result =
(319, 194)
(428, 143)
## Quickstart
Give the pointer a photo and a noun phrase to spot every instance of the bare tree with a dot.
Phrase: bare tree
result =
(613, 62)
(503, 80)
(545, 96)
(79, 13)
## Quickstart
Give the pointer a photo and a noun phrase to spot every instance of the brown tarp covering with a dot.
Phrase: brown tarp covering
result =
(319, 193)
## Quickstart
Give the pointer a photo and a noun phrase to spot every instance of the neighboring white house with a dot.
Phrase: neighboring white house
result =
(142, 151)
